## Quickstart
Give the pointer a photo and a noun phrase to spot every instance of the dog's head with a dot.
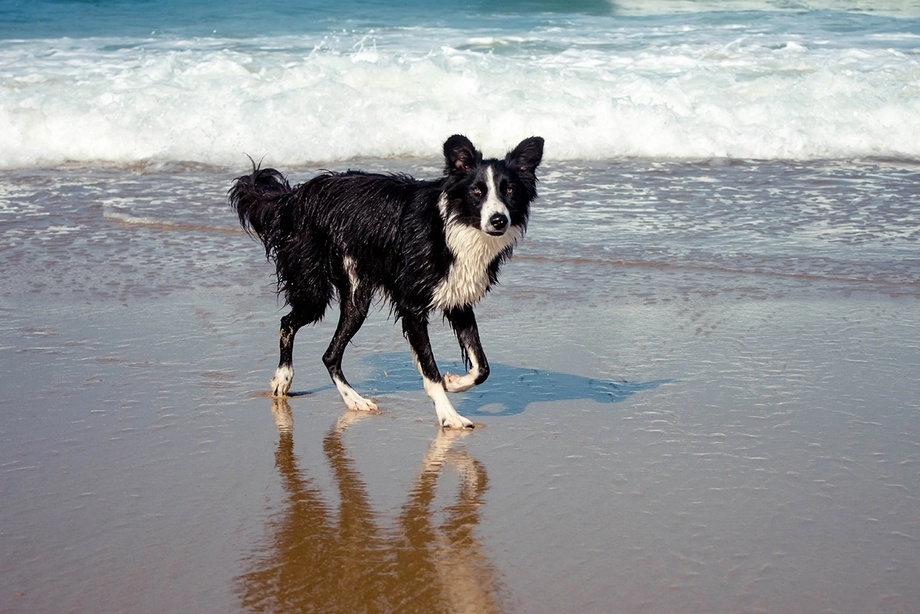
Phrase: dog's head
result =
(492, 195)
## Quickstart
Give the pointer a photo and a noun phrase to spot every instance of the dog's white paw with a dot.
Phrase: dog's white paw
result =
(352, 399)
(458, 383)
(281, 382)
(448, 417)
(458, 423)
(359, 403)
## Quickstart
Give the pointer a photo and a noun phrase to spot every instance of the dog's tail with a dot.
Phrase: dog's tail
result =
(260, 200)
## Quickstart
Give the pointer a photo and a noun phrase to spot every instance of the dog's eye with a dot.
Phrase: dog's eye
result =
(509, 190)
(476, 191)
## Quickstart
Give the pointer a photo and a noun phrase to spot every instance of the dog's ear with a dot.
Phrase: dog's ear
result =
(460, 154)
(527, 155)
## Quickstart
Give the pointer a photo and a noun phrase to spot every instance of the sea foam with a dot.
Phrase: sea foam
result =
(663, 90)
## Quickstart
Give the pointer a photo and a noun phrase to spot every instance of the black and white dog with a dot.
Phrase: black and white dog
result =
(425, 245)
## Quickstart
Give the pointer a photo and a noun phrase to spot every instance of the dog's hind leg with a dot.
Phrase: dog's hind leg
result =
(290, 324)
(416, 331)
(463, 321)
(355, 303)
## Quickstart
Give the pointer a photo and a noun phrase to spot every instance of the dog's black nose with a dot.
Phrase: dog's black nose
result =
(498, 221)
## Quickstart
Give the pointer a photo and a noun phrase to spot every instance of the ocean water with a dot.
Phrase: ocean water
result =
(130, 82)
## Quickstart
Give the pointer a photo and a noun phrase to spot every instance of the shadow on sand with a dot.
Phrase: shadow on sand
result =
(507, 392)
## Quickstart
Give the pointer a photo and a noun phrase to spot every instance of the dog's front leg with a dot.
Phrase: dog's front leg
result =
(463, 321)
(284, 374)
(416, 331)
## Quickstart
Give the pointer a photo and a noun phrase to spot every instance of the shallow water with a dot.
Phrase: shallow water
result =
(704, 397)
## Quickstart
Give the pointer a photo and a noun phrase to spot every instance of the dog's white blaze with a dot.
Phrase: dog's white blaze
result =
(473, 250)
(493, 203)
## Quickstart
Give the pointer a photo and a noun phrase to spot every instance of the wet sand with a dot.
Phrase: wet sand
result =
(654, 439)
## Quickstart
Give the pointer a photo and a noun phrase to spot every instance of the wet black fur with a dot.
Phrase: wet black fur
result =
(391, 228)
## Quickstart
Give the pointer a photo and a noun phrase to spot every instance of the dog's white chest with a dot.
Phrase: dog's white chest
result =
(468, 278)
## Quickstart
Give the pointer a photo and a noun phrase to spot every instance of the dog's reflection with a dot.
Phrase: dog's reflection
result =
(346, 560)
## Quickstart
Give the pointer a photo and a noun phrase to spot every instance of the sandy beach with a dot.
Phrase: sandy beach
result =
(656, 436)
